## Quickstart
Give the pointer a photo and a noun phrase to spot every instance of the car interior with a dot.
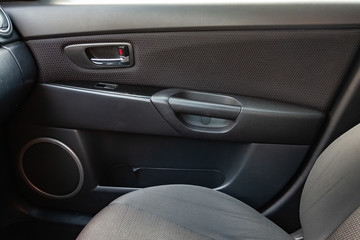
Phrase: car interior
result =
(201, 119)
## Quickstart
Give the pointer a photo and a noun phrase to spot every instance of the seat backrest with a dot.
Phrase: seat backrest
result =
(331, 196)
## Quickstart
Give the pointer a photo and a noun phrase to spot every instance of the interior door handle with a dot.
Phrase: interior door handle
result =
(101, 55)
(111, 61)
(201, 108)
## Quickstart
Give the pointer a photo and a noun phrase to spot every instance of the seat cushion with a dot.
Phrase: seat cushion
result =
(180, 212)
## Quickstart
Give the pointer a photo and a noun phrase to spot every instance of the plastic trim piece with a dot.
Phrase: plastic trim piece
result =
(108, 110)
(68, 150)
(258, 121)
(17, 75)
(8, 31)
(65, 19)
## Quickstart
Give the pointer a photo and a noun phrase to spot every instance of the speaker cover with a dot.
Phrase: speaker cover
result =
(51, 168)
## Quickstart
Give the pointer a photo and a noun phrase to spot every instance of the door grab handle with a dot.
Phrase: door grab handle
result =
(200, 108)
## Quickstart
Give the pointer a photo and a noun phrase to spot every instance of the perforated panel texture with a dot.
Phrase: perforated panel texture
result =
(303, 67)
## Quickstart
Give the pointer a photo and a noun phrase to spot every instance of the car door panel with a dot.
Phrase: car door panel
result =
(164, 122)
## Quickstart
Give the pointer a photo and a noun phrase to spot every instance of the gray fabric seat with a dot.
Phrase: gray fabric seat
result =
(329, 207)
(180, 212)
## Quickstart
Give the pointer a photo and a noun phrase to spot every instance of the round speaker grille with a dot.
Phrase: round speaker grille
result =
(51, 168)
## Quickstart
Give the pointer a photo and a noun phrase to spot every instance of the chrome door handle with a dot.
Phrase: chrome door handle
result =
(101, 55)
(111, 61)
